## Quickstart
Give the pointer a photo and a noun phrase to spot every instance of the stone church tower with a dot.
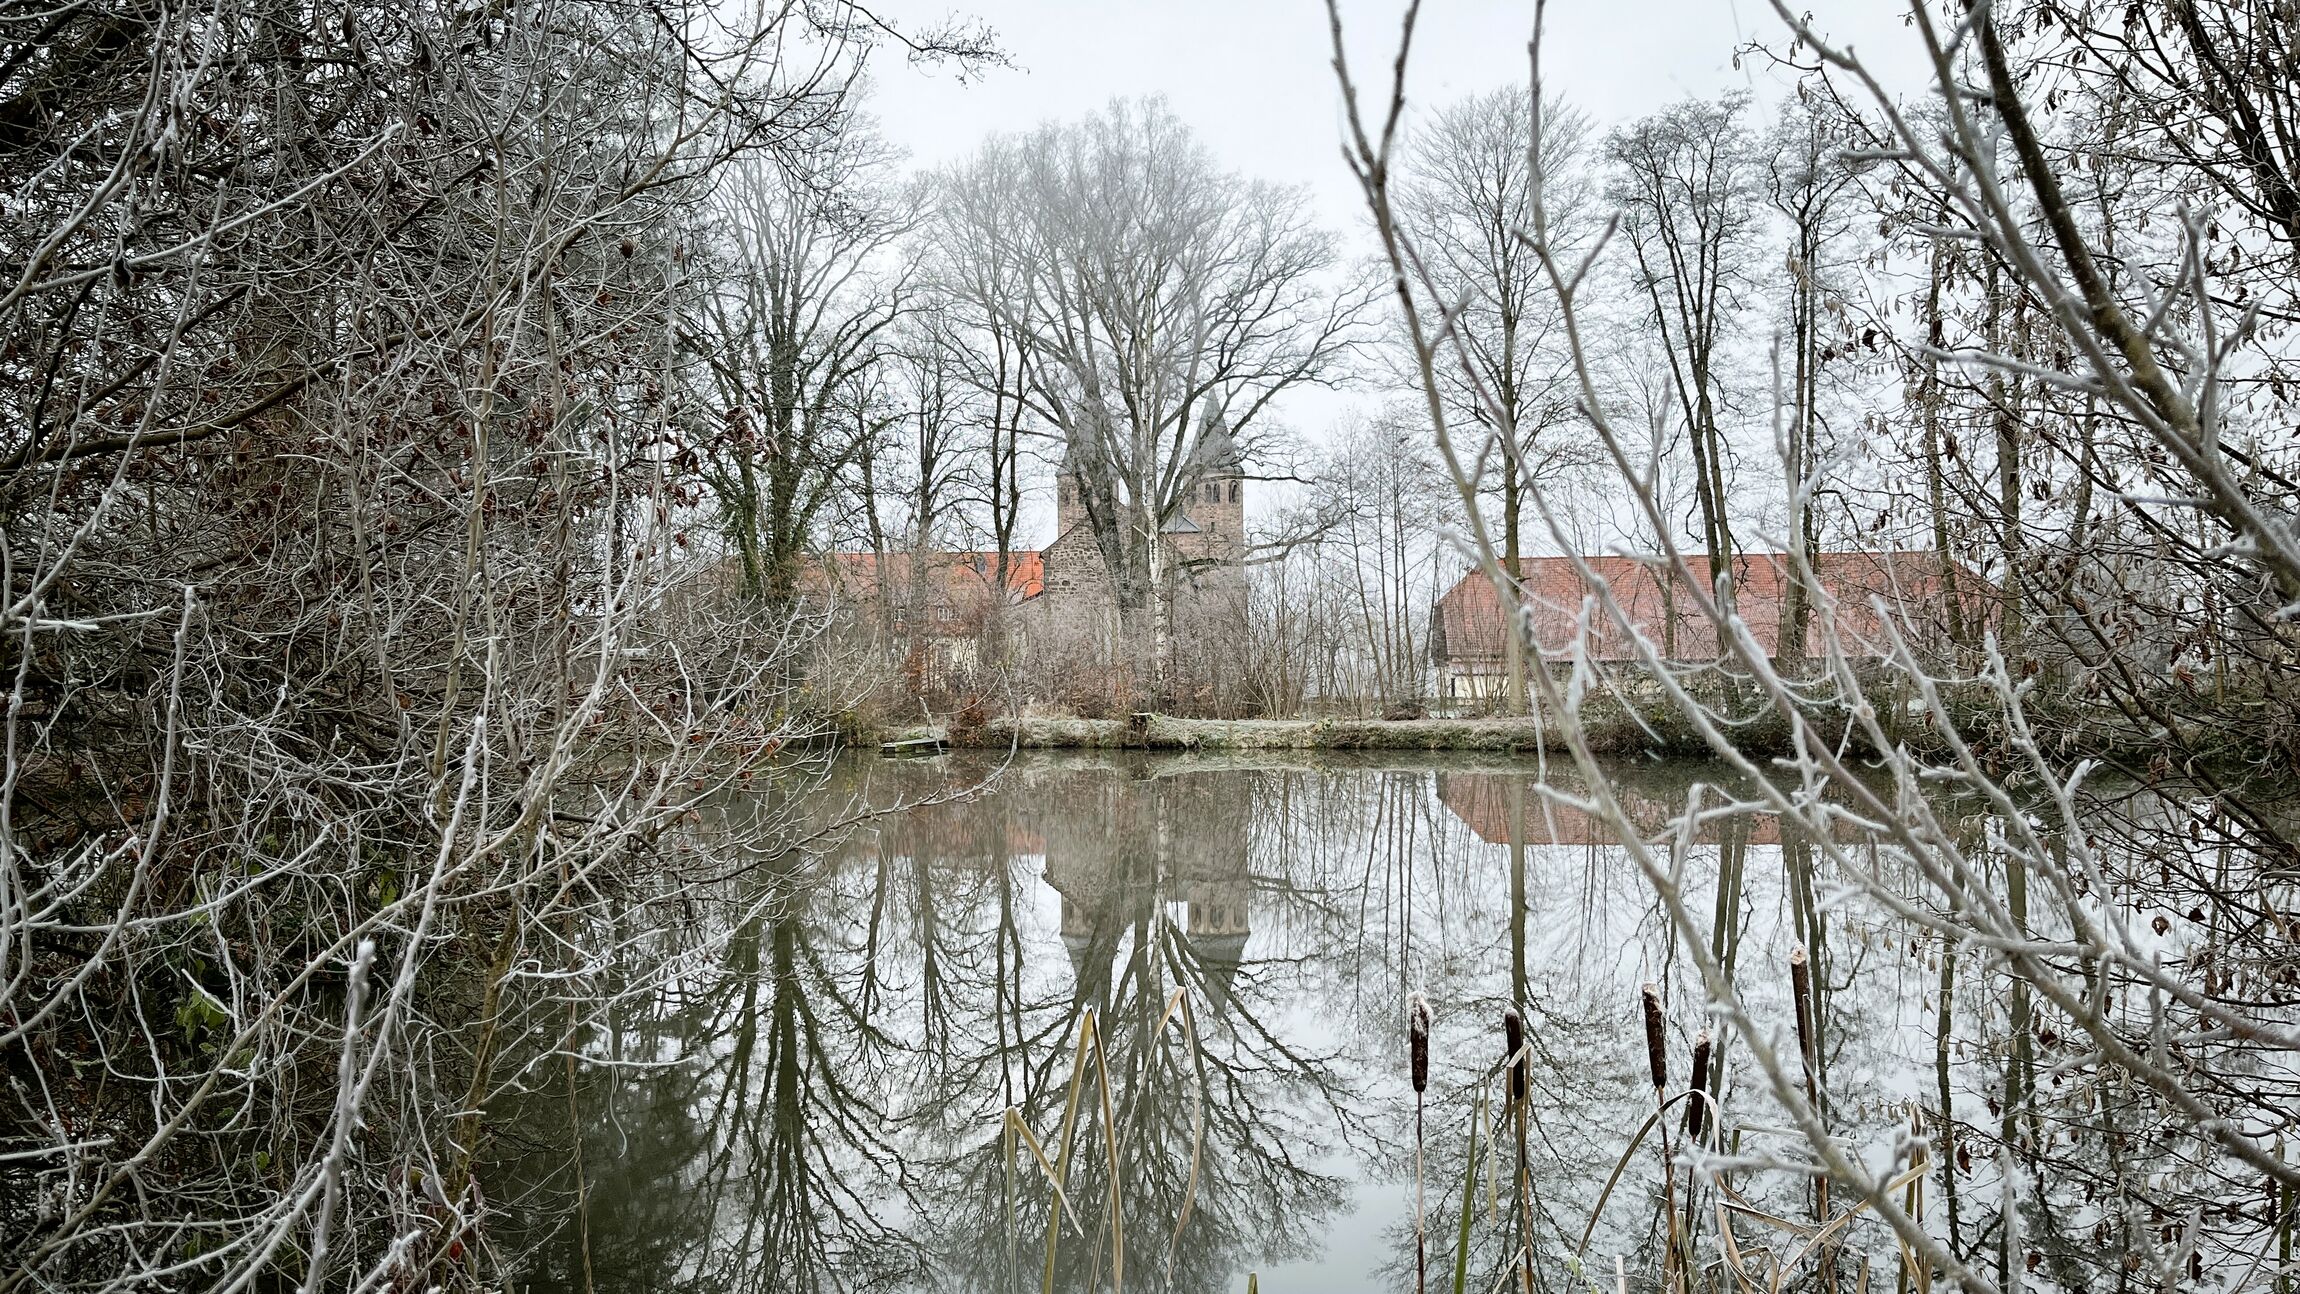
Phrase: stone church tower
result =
(1207, 531)
(1213, 502)
(1203, 555)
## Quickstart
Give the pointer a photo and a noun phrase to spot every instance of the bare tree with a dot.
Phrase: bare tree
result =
(1809, 185)
(986, 314)
(1160, 305)
(1685, 179)
(1343, 618)
(1464, 189)
(792, 336)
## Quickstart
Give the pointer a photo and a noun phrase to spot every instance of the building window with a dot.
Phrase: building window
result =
(944, 612)
(1233, 491)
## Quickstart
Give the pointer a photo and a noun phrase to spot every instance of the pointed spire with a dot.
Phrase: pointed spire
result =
(1217, 449)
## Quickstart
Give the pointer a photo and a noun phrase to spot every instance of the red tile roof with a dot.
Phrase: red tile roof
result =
(1468, 618)
(952, 593)
(953, 577)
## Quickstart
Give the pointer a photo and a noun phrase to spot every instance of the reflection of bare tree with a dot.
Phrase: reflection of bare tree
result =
(1155, 895)
(833, 1123)
(763, 1159)
(1513, 899)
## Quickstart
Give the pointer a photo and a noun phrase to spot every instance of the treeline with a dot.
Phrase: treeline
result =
(900, 363)
(1810, 348)
(1792, 317)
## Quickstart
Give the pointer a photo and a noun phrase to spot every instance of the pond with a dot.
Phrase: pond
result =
(818, 1099)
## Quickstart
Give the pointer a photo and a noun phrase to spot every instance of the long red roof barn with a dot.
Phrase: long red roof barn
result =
(1466, 629)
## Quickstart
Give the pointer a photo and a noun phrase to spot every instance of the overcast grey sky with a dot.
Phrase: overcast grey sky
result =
(1254, 76)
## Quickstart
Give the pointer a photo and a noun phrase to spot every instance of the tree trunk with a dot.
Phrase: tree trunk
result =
(1936, 476)
(2004, 403)
(1797, 601)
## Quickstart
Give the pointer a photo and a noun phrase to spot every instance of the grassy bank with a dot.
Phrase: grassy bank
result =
(1615, 725)
(1630, 718)
(1616, 731)
(1165, 732)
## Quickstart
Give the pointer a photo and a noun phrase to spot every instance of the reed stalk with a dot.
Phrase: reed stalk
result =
(1696, 1121)
(1468, 1197)
(1418, 1065)
(1178, 1008)
(1513, 1053)
(1801, 998)
(1514, 1049)
(1117, 1174)
(1914, 1279)
(1944, 1014)
(1697, 1109)
(1657, 1067)
(1656, 1043)
(1061, 1167)
(2291, 1201)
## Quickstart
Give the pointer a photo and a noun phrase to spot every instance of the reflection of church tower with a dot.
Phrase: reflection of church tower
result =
(1214, 879)
(1092, 920)
(1094, 864)
(1124, 853)
(1077, 924)
(1220, 920)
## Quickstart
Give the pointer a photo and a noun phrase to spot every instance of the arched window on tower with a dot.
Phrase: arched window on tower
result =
(1233, 491)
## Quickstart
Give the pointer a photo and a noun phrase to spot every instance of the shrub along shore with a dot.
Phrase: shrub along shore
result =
(1167, 732)
(1615, 732)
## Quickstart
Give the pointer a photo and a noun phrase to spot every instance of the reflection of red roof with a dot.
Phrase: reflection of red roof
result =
(949, 833)
(1469, 621)
(1485, 802)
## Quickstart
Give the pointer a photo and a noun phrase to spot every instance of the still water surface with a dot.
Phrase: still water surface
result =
(819, 1103)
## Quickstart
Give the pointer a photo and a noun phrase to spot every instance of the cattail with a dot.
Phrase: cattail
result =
(1513, 1051)
(1801, 996)
(1696, 1105)
(1418, 1051)
(1656, 1045)
(1418, 1039)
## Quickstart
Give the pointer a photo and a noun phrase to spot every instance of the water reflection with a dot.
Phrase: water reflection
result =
(819, 1105)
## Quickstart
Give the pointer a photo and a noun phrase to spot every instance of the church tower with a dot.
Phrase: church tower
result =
(1069, 508)
(1215, 497)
